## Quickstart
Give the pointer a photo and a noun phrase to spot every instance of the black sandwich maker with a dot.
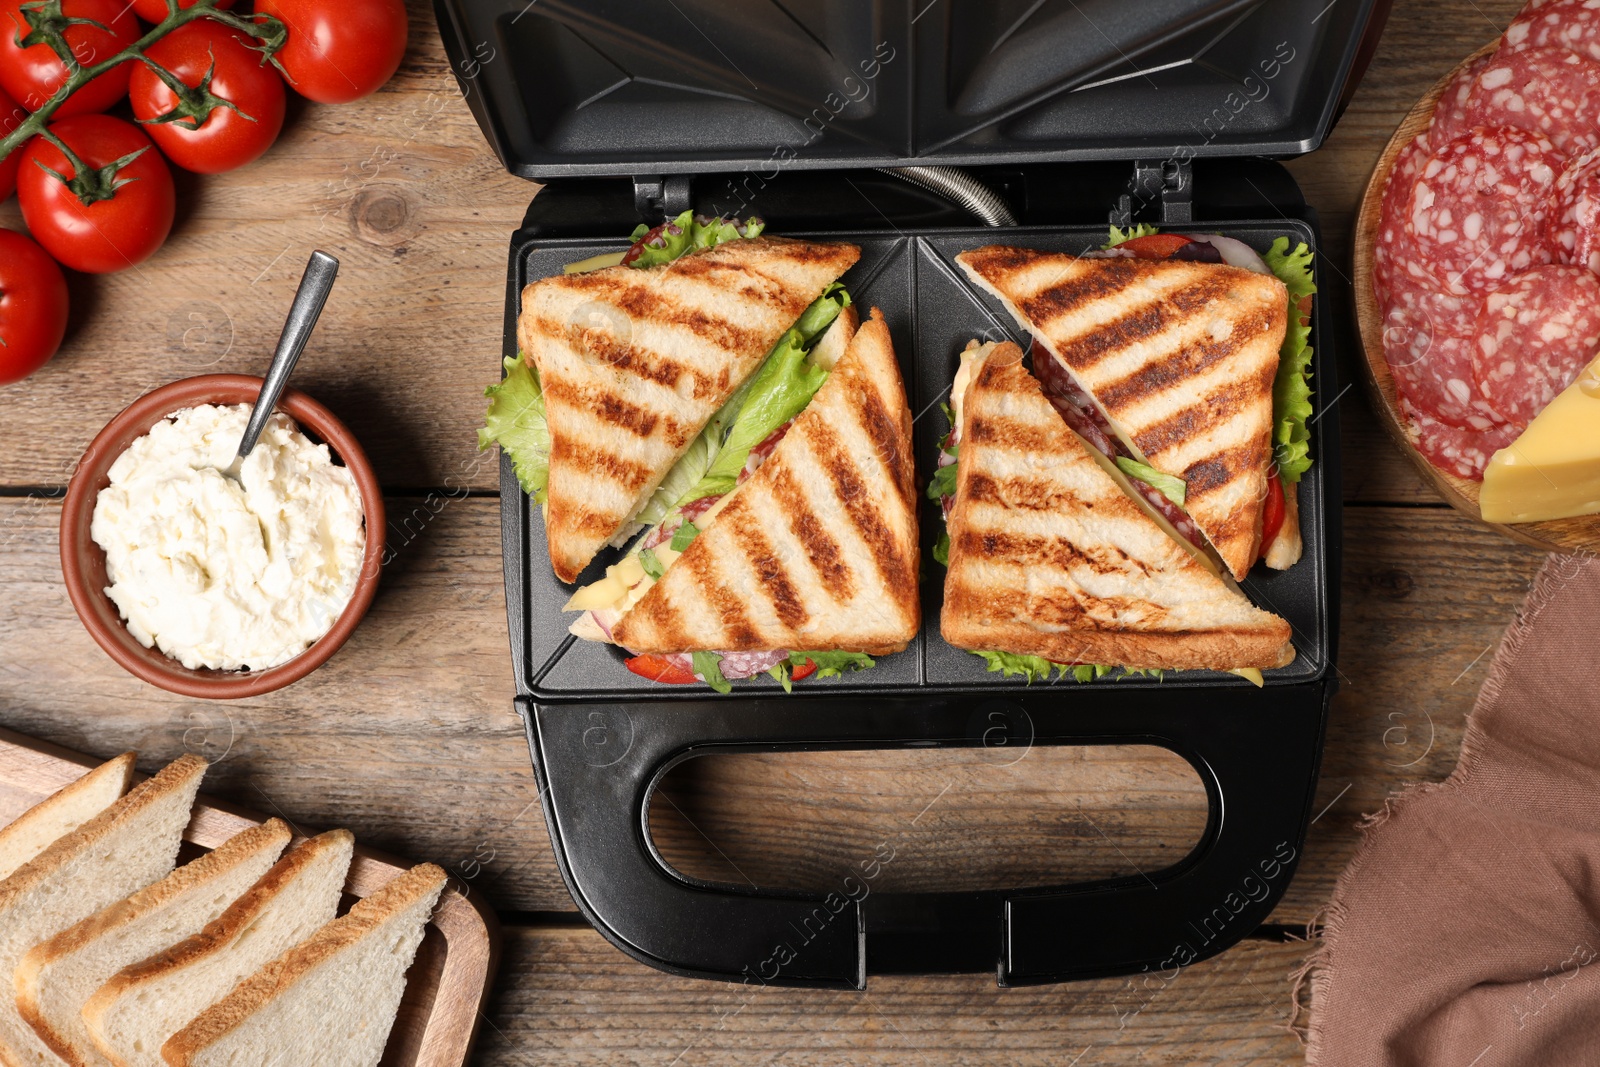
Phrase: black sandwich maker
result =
(916, 130)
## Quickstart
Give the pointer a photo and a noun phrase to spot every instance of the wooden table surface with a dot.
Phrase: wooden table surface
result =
(408, 736)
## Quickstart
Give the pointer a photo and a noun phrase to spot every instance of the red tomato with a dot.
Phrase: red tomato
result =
(660, 669)
(340, 50)
(154, 11)
(804, 671)
(226, 139)
(11, 116)
(32, 75)
(1155, 245)
(33, 307)
(1272, 514)
(116, 228)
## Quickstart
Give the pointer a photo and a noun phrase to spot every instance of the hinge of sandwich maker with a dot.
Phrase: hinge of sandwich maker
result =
(656, 198)
(1166, 183)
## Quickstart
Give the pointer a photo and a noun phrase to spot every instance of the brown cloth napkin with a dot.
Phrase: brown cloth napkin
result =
(1466, 930)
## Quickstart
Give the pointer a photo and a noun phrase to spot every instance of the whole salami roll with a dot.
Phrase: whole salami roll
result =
(1480, 208)
(1428, 341)
(1575, 232)
(1460, 451)
(1450, 116)
(1534, 335)
(1570, 24)
(1550, 91)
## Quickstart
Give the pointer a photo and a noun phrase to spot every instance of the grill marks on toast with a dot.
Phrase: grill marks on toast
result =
(635, 362)
(1179, 355)
(1049, 557)
(818, 550)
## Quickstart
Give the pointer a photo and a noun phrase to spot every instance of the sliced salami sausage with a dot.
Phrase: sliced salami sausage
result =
(1534, 335)
(1394, 252)
(1450, 116)
(1480, 209)
(1575, 231)
(1460, 451)
(1550, 91)
(1428, 341)
(1570, 24)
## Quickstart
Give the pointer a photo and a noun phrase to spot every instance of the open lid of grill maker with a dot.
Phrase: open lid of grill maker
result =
(1066, 113)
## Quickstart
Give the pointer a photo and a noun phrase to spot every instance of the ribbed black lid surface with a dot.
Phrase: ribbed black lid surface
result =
(589, 87)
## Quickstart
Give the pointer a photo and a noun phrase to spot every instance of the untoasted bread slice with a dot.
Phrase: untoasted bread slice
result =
(128, 846)
(633, 362)
(1049, 557)
(134, 1013)
(818, 549)
(63, 812)
(56, 978)
(1180, 357)
(329, 1002)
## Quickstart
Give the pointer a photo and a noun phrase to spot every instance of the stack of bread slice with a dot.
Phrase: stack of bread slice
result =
(121, 959)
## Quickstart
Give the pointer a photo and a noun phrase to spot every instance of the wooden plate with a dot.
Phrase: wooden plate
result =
(446, 986)
(1580, 534)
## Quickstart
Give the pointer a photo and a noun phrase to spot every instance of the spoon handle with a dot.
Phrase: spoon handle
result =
(315, 285)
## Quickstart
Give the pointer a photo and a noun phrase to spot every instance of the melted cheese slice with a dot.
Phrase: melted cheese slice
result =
(1553, 470)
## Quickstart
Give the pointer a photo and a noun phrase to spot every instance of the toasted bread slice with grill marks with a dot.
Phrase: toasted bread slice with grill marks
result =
(634, 362)
(63, 812)
(1049, 557)
(818, 549)
(1180, 357)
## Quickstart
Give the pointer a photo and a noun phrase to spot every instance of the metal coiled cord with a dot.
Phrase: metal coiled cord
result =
(960, 188)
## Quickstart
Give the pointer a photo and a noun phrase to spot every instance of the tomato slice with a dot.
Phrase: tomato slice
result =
(1272, 516)
(1155, 245)
(804, 671)
(660, 669)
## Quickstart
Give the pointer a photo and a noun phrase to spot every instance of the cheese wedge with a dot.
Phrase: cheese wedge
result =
(1553, 470)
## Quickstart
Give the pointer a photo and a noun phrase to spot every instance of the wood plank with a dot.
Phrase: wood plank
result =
(568, 997)
(415, 714)
(403, 189)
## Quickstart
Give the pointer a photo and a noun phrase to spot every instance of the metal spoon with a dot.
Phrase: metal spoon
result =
(315, 285)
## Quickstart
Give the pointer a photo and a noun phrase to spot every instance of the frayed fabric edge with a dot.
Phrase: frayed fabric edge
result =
(1315, 973)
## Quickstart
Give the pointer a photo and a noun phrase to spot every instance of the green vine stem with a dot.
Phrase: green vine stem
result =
(49, 26)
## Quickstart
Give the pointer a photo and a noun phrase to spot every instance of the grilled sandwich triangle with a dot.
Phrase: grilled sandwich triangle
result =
(1178, 356)
(633, 363)
(1050, 558)
(817, 550)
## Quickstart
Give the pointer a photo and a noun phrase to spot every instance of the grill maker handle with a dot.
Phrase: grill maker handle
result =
(1256, 755)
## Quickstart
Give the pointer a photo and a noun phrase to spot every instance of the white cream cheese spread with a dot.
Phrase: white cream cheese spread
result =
(223, 571)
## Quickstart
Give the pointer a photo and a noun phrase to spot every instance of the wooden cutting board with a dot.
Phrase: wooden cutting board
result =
(1580, 534)
(446, 986)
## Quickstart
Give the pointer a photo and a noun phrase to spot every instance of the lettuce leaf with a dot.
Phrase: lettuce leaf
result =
(780, 671)
(941, 548)
(684, 536)
(516, 422)
(708, 665)
(1173, 488)
(832, 664)
(1291, 393)
(943, 482)
(1140, 229)
(688, 233)
(776, 393)
(1037, 668)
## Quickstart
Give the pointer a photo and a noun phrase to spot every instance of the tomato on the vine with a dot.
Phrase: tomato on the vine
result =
(154, 11)
(340, 50)
(33, 74)
(228, 138)
(12, 115)
(33, 307)
(108, 218)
